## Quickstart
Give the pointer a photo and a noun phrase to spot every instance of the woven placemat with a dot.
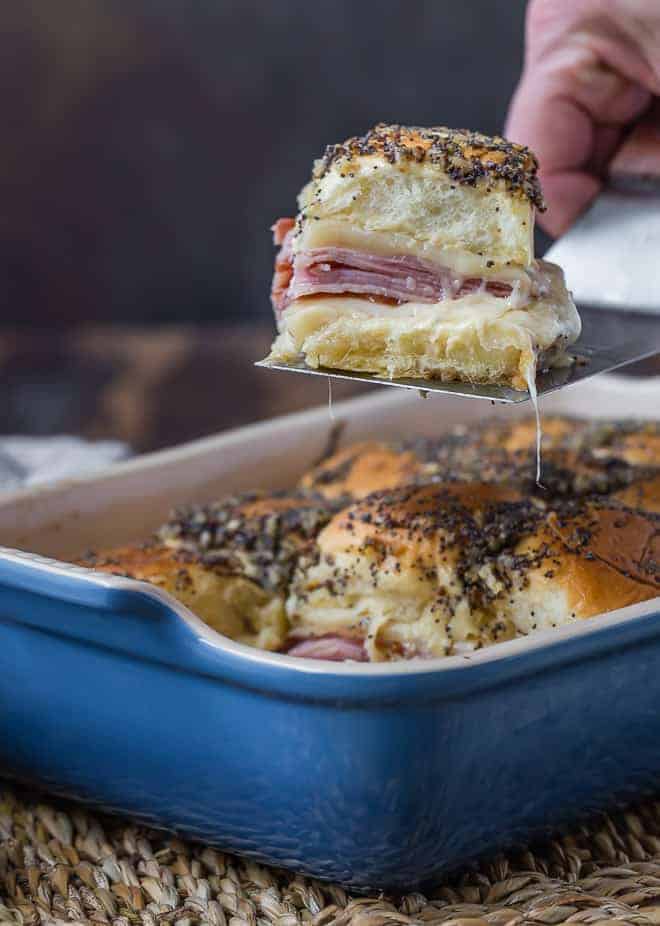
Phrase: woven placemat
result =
(59, 863)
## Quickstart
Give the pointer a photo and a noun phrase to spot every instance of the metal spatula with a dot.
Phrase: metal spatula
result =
(611, 257)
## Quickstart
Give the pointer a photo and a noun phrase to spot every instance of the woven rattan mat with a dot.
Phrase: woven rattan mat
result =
(60, 863)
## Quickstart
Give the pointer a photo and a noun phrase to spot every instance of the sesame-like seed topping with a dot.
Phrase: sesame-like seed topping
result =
(467, 157)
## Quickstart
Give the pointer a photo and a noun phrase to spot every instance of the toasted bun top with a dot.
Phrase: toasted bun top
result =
(603, 556)
(360, 469)
(467, 157)
(417, 524)
(257, 535)
(643, 494)
(627, 541)
(487, 539)
(149, 562)
(422, 546)
(579, 458)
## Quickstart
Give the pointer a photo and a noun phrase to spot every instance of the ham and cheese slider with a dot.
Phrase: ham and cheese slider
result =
(229, 561)
(412, 255)
(445, 568)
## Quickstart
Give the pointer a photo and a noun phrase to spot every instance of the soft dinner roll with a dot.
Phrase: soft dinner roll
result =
(642, 493)
(441, 569)
(440, 189)
(233, 605)
(579, 458)
(363, 468)
(230, 562)
(580, 564)
(412, 255)
(423, 547)
(392, 570)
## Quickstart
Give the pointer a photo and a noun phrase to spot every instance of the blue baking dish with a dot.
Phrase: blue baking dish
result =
(375, 776)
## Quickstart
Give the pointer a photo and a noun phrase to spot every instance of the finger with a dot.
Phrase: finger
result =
(561, 135)
(568, 194)
(621, 35)
(572, 120)
(607, 139)
(560, 132)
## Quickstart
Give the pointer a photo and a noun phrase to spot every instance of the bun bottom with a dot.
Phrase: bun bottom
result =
(477, 338)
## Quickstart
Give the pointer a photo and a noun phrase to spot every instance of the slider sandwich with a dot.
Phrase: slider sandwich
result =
(412, 255)
(421, 547)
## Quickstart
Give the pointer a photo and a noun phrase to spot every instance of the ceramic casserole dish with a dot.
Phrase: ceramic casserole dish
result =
(376, 776)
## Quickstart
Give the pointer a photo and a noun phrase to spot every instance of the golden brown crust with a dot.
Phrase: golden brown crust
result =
(360, 469)
(420, 547)
(579, 458)
(626, 541)
(412, 526)
(413, 514)
(256, 535)
(232, 604)
(467, 157)
(643, 494)
(603, 557)
(639, 448)
(149, 562)
(521, 436)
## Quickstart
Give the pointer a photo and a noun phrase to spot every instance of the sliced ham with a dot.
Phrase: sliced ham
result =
(343, 270)
(330, 646)
(281, 229)
(283, 236)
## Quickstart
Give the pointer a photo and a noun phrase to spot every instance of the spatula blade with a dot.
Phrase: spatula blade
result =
(611, 255)
(590, 359)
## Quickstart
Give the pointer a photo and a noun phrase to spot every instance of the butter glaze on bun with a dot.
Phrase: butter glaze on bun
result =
(597, 560)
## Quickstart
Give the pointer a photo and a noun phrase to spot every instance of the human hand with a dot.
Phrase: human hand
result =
(591, 69)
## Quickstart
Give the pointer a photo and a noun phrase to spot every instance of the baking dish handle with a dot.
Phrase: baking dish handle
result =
(111, 611)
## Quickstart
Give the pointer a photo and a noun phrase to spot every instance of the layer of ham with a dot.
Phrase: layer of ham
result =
(342, 270)
(332, 646)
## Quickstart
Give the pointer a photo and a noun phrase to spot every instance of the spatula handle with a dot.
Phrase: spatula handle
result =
(636, 165)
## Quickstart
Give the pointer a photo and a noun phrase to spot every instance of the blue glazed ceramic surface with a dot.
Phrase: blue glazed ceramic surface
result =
(375, 776)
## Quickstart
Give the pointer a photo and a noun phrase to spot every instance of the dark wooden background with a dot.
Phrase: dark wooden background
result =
(150, 387)
(148, 146)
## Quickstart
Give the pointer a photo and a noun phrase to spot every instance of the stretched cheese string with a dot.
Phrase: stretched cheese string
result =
(330, 408)
(530, 378)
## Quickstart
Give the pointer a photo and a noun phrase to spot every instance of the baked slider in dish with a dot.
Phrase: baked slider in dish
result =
(444, 569)
(412, 255)
(581, 458)
(230, 561)
(424, 547)
(230, 603)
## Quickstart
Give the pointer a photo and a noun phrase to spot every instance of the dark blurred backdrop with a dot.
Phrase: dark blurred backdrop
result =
(147, 146)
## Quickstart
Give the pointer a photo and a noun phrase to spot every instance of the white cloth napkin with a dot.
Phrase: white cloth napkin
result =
(28, 461)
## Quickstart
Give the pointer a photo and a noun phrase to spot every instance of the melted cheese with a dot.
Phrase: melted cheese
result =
(324, 233)
(530, 377)
(477, 337)
(331, 411)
